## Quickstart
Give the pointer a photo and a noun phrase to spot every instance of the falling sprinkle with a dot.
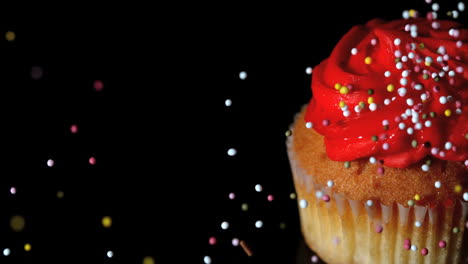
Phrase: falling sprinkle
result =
(292, 196)
(314, 259)
(36, 72)
(110, 254)
(303, 203)
(92, 160)
(98, 85)
(228, 102)
(245, 207)
(148, 260)
(74, 129)
(50, 162)
(232, 152)
(235, 242)
(270, 197)
(207, 260)
(224, 225)
(259, 224)
(308, 70)
(212, 241)
(106, 221)
(258, 188)
(246, 248)
(10, 36)
(27, 247)
(6, 252)
(17, 223)
(232, 196)
(465, 197)
(13, 190)
(455, 230)
(243, 75)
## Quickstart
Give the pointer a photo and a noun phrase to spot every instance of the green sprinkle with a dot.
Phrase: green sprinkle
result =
(385, 127)
(436, 79)
(245, 207)
(292, 196)
(362, 104)
(282, 225)
(429, 162)
(466, 136)
(288, 133)
(422, 46)
(370, 91)
(425, 76)
(347, 164)
(455, 230)
(424, 116)
(433, 114)
(414, 143)
(410, 202)
(397, 60)
(375, 138)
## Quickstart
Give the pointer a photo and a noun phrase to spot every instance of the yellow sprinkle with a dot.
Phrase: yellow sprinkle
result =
(370, 100)
(448, 112)
(342, 104)
(417, 197)
(458, 188)
(368, 60)
(344, 90)
(337, 86)
(412, 13)
(390, 87)
(10, 36)
(107, 221)
(427, 63)
(27, 247)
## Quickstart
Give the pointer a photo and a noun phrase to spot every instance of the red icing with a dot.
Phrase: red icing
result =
(350, 137)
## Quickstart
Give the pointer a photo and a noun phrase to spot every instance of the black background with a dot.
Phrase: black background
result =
(159, 129)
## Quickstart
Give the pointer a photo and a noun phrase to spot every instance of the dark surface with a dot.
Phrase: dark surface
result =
(159, 129)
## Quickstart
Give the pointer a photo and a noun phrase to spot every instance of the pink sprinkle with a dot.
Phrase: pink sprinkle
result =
(235, 242)
(397, 119)
(452, 81)
(454, 148)
(436, 88)
(270, 197)
(417, 68)
(92, 160)
(98, 85)
(434, 151)
(428, 1)
(232, 196)
(383, 136)
(378, 229)
(458, 57)
(459, 69)
(442, 244)
(212, 241)
(50, 162)
(407, 246)
(429, 16)
(435, 25)
(326, 198)
(326, 122)
(314, 259)
(12, 190)
(74, 129)
(407, 242)
(458, 104)
(459, 43)
(373, 42)
(380, 170)
(424, 251)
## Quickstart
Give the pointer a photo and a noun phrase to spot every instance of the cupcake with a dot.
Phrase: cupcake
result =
(379, 155)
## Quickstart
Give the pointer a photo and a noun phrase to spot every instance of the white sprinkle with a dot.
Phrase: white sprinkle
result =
(235, 242)
(441, 50)
(459, 69)
(405, 73)
(50, 162)
(405, 14)
(397, 41)
(437, 184)
(439, 59)
(423, 97)
(387, 101)
(242, 75)
(232, 152)
(314, 259)
(451, 73)
(413, 34)
(448, 145)
(259, 224)
(425, 167)
(418, 86)
(330, 183)
(454, 32)
(401, 126)
(224, 225)
(373, 41)
(428, 123)
(207, 260)
(232, 196)
(318, 194)
(461, 6)
(465, 197)
(414, 247)
(418, 126)
(372, 160)
(410, 131)
(458, 111)
(385, 122)
(387, 73)
(357, 108)
(404, 116)
(369, 202)
(6, 252)
(435, 7)
(354, 51)
(408, 112)
(417, 224)
(385, 146)
(434, 151)
(228, 102)
(397, 53)
(373, 106)
(443, 100)
(399, 65)
(411, 55)
(309, 125)
(258, 188)
(404, 58)
(442, 154)
(459, 43)
(110, 254)
(403, 81)
(308, 70)
(303, 203)
(455, 14)
(346, 113)
(409, 102)
(401, 91)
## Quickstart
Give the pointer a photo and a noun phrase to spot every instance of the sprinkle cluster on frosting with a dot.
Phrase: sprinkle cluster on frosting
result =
(395, 93)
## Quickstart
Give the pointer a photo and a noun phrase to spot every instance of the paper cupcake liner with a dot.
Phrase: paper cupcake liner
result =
(349, 231)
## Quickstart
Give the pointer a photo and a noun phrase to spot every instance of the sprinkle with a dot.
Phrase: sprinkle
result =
(424, 251)
(354, 51)
(373, 106)
(447, 112)
(318, 194)
(442, 244)
(380, 170)
(228, 102)
(369, 203)
(245, 207)
(330, 183)
(397, 41)
(212, 240)
(258, 188)
(270, 197)
(406, 14)
(246, 248)
(437, 184)
(309, 125)
(235, 242)
(410, 202)
(347, 164)
(399, 65)
(370, 91)
(373, 42)
(461, 6)
(407, 246)
(259, 224)
(326, 198)
(443, 100)
(337, 86)
(110, 254)
(387, 74)
(370, 100)
(314, 259)
(372, 160)
(243, 75)
(410, 130)
(207, 260)
(428, 123)
(232, 152)
(417, 197)
(417, 224)
(50, 163)
(308, 70)
(425, 167)
(414, 247)
(288, 133)
(458, 188)
(387, 101)
(465, 197)
(368, 60)
(378, 229)
(344, 90)
(292, 196)
(407, 242)
(435, 7)
(385, 146)
(402, 91)
(455, 230)
(27, 247)
(303, 203)
(448, 145)
(224, 225)
(375, 138)
(325, 122)
(414, 143)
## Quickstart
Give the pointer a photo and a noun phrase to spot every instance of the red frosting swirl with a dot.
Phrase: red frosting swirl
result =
(396, 91)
